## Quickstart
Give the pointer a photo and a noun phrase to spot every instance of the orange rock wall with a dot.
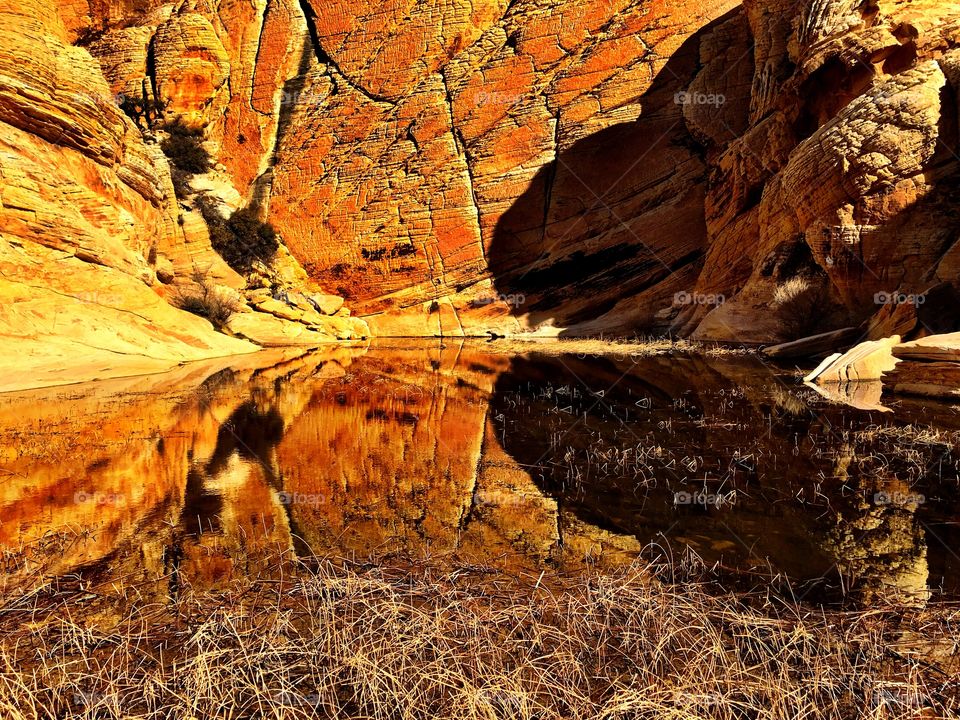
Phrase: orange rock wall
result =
(615, 166)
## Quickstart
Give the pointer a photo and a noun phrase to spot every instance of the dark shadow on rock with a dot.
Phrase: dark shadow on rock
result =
(293, 93)
(616, 213)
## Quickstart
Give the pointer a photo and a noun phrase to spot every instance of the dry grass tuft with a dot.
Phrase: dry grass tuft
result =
(613, 346)
(207, 299)
(346, 644)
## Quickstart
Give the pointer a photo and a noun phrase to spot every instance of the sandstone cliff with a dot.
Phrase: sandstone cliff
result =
(748, 172)
(81, 204)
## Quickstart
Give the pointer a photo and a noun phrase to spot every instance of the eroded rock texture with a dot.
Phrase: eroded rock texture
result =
(750, 172)
(498, 174)
(625, 167)
(81, 206)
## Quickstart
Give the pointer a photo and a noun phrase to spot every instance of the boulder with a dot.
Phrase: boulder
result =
(866, 361)
(327, 304)
(165, 270)
(813, 346)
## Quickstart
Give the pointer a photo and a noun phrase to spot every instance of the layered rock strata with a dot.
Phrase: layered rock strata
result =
(753, 173)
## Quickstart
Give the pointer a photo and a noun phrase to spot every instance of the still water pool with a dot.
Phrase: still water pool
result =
(465, 455)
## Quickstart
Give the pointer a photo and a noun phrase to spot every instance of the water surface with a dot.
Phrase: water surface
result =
(460, 454)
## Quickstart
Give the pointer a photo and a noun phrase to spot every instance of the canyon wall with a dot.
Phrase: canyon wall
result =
(750, 172)
(81, 206)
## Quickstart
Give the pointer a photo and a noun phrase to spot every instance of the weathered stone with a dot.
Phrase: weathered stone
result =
(192, 69)
(259, 294)
(327, 304)
(279, 308)
(165, 270)
(930, 379)
(932, 348)
(271, 331)
(82, 203)
(864, 362)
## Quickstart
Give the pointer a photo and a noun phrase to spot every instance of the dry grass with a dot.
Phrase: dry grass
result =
(802, 306)
(341, 643)
(207, 299)
(635, 347)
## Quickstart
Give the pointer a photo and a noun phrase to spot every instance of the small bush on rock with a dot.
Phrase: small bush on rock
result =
(184, 147)
(181, 182)
(207, 300)
(242, 239)
(145, 110)
(802, 306)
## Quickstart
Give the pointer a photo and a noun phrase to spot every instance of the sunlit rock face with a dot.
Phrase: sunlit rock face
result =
(843, 180)
(484, 157)
(704, 168)
(82, 203)
(596, 168)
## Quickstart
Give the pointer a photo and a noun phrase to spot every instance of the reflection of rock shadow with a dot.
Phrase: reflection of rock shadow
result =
(674, 452)
(589, 230)
(252, 432)
(230, 500)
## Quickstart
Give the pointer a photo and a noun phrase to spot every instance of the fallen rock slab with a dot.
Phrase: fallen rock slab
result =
(813, 346)
(271, 331)
(933, 348)
(929, 379)
(867, 361)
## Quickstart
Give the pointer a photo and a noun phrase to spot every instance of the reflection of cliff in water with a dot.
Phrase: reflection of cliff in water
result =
(452, 452)
(231, 509)
(718, 457)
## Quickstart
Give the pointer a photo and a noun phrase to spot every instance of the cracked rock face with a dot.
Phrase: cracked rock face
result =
(627, 166)
(500, 163)
(600, 163)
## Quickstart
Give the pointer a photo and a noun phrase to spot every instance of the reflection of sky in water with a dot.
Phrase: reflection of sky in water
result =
(455, 453)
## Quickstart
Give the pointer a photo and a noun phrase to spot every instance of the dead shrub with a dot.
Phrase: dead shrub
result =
(209, 300)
